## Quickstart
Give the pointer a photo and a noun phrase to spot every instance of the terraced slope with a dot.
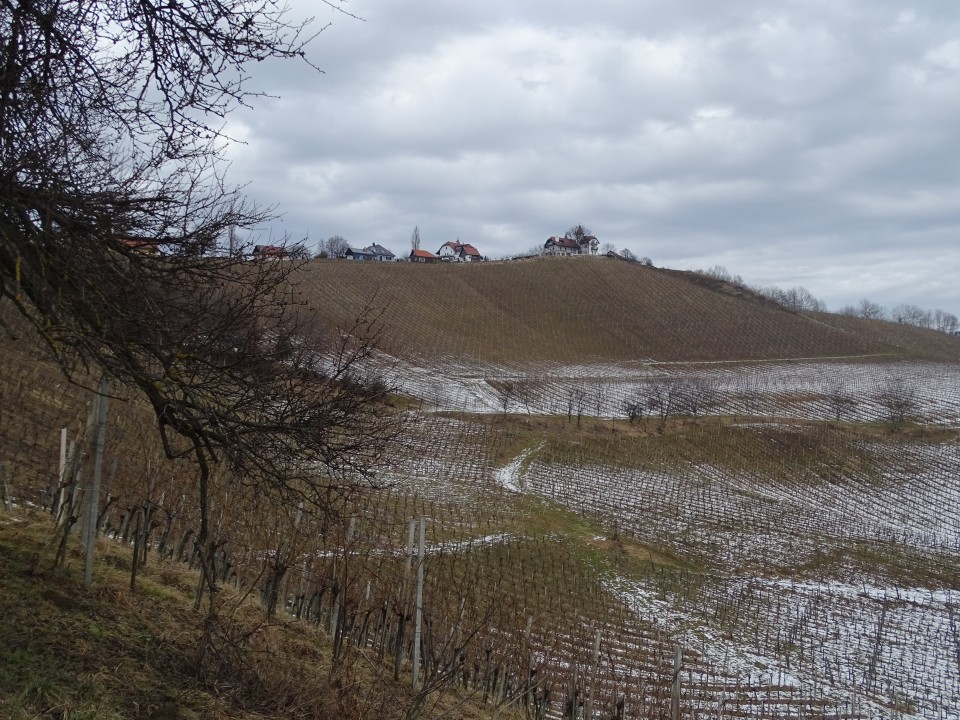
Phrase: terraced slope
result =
(580, 310)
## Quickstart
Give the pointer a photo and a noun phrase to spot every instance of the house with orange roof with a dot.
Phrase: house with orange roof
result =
(423, 256)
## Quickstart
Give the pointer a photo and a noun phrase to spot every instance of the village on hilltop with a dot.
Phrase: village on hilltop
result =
(576, 241)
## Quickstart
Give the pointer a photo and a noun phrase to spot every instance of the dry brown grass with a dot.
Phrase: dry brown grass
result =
(107, 652)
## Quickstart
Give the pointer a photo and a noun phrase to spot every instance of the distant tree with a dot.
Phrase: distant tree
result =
(634, 408)
(666, 398)
(576, 399)
(945, 322)
(839, 399)
(797, 299)
(506, 391)
(578, 233)
(900, 399)
(336, 246)
(696, 395)
(870, 310)
(627, 254)
(607, 247)
(646, 261)
(849, 311)
(415, 238)
(599, 396)
(912, 315)
(719, 272)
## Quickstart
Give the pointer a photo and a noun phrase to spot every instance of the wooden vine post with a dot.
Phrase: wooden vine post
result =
(675, 689)
(418, 603)
(588, 708)
(90, 538)
(404, 603)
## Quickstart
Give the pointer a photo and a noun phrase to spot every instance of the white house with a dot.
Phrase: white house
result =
(458, 252)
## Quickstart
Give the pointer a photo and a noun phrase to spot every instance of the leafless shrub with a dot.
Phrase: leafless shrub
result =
(899, 398)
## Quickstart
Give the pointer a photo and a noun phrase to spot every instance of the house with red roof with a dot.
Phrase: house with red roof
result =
(459, 252)
(423, 256)
(269, 252)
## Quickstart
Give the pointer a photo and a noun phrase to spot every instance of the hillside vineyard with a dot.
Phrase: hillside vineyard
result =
(619, 492)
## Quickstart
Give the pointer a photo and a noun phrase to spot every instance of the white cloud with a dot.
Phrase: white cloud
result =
(757, 135)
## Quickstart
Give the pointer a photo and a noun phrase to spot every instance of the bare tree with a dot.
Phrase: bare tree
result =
(717, 271)
(336, 246)
(664, 399)
(900, 400)
(628, 254)
(599, 396)
(112, 206)
(697, 395)
(607, 247)
(912, 315)
(634, 408)
(870, 310)
(415, 238)
(576, 398)
(945, 322)
(840, 400)
(578, 232)
(798, 299)
(507, 391)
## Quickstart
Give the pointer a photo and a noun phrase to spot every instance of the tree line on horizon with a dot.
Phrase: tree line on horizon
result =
(799, 299)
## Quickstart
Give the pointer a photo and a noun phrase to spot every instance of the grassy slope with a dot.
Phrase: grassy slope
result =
(569, 310)
(107, 652)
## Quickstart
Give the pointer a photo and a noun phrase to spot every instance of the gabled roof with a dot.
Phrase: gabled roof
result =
(562, 242)
(423, 254)
(358, 251)
(468, 249)
(379, 250)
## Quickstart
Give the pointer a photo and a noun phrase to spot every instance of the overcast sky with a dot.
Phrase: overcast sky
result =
(808, 142)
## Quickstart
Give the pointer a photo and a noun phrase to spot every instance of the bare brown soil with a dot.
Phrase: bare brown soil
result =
(590, 309)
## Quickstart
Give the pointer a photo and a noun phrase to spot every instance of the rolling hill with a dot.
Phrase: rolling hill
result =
(590, 309)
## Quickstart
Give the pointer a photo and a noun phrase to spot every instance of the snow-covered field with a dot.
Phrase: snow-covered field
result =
(781, 389)
(813, 590)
